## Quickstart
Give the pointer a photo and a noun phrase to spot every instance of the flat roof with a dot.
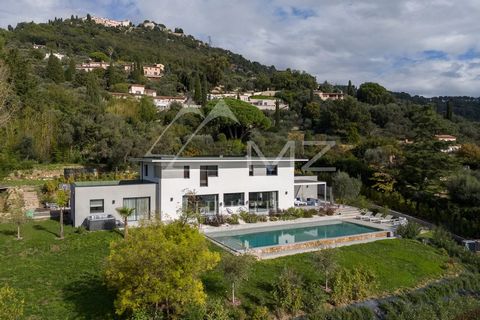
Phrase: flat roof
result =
(308, 182)
(110, 183)
(213, 159)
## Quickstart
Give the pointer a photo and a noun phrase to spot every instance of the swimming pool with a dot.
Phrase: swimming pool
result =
(290, 236)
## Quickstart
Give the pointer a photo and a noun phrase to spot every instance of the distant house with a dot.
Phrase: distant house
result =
(266, 102)
(445, 138)
(127, 67)
(329, 95)
(38, 46)
(58, 55)
(137, 89)
(150, 92)
(92, 65)
(149, 25)
(164, 102)
(452, 147)
(109, 22)
(153, 71)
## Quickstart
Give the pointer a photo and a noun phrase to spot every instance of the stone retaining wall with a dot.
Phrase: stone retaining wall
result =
(330, 242)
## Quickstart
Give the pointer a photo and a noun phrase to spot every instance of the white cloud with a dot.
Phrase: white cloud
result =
(361, 40)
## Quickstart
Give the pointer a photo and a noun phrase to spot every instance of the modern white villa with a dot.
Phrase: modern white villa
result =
(219, 185)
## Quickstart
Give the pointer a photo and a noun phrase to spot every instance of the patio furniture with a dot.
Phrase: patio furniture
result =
(366, 216)
(375, 218)
(388, 218)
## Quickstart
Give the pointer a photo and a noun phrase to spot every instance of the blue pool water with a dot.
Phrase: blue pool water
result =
(288, 235)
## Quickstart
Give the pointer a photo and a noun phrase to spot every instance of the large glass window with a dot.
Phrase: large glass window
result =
(141, 208)
(96, 206)
(205, 172)
(263, 201)
(272, 170)
(233, 199)
(205, 204)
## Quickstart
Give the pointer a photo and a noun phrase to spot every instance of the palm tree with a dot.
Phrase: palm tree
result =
(125, 213)
(62, 201)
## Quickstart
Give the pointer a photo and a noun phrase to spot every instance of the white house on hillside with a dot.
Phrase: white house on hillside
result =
(215, 185)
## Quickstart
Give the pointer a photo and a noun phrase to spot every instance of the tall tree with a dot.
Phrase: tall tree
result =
(55, 69)
(70, 71)
(324, 260)
(373, 93)
(197, 95)
(61, 198)
(204, 90)
(15, 206)
(236, 270)
(350, 90)
(449, 114)
(277, 113)
(93, 88)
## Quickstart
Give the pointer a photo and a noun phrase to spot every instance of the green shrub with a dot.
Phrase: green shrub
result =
(233, 219)
(350, 285)
(260, 313)
(11, 304)
(409, 231)
(80, 230)
(288, 292)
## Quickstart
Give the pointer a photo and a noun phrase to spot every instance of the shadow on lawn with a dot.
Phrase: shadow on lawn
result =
(92, 299)
(39, 227)
(8, 232)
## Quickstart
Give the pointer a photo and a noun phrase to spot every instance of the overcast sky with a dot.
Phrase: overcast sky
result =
(427, 47)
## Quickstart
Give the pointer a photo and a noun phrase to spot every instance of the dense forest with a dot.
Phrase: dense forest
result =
(51, 112)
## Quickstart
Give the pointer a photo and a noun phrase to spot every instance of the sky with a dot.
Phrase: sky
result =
(425, 47)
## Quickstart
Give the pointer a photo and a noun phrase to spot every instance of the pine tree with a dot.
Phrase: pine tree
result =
(55, 69)
(70, 72)
(197, 96)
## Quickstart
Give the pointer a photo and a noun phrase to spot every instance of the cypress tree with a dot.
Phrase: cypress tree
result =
(350, 88)
(70, 72)
(449, 114)
(204, 90)
(277, 113)
(54, 69)
(93, 89)
(197, 95)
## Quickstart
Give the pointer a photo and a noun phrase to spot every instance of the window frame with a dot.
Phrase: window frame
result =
(97, 211)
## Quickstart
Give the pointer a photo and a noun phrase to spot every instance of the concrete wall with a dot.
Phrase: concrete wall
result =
(112, 196)
(233, 177)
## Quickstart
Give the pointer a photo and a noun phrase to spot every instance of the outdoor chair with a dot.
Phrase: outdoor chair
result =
(366, 216)
(386, 219)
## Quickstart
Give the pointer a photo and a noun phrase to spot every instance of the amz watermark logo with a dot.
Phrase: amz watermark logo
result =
(221, 110)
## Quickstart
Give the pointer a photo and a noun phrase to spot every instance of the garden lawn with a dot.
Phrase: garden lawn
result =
(397, 263)
(63, 279)
(58, 279)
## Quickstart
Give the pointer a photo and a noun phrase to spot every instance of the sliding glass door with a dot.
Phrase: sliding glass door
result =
(140, 206)
(263, 201)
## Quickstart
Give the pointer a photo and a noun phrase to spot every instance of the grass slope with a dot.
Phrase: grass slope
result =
(58, 279)
(62, 279)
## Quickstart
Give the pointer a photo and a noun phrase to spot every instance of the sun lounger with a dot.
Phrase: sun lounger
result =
(388, 218)
(366, 216)
(377, 217)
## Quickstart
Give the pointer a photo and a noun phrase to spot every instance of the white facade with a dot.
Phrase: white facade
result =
(137, 89)
(86, 198)
(233, 177)
(211, 185)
